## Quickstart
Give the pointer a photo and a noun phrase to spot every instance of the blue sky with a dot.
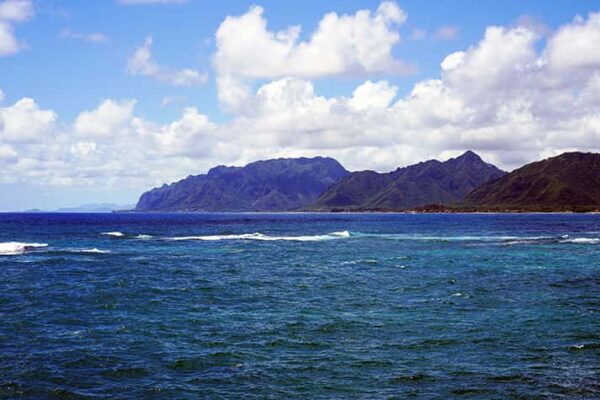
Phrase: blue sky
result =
(66, 72)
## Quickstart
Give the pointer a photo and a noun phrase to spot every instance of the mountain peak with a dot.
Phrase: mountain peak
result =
(429, 182)
(469, 156)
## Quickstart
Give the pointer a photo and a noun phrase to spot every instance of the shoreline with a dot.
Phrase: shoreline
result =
(507, 212)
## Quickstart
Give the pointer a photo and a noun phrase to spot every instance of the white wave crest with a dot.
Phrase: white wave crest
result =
(260, 236)
(114, 234)
(93, 251)
(14, 248)
(582, 240)
(143, 237)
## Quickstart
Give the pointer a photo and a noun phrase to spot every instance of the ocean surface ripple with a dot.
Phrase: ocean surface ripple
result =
(306, 306)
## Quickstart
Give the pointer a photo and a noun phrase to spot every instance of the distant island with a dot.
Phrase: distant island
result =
(86, 208)
(569, 182)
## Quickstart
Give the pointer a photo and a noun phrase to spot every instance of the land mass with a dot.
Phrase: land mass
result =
(272, 185)
(569, 182)
(416, 185)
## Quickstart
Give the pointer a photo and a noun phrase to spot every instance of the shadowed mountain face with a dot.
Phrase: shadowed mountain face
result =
(428, 182)
(271, 185)
(564, 182)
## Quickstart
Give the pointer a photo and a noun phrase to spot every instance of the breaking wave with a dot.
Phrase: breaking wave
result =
(91, 251)
(263, 237)
(114, 234)
(14, 248)
(503, 240)
(582, 240)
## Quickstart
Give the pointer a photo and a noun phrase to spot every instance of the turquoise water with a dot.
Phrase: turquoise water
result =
(315, 306)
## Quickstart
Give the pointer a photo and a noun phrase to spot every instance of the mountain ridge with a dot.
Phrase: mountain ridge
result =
(569, 181)
(281, 184)
(427, 182)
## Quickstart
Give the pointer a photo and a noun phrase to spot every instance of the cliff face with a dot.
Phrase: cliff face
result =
(429, 182)
(271, 185)
(565, 182)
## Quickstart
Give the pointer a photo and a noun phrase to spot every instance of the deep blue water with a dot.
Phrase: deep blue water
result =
(388, 306)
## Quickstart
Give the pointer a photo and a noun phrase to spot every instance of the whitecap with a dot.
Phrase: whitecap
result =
(582, 240)
(263, 237)
(143, 237)
(114, 234)
(466, 238)
(15, 248)
(93, 250)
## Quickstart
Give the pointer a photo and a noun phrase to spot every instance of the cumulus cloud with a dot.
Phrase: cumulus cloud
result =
(357, 44)
(142, 63)
(341, 44)
(511, 97)
(95, 37)
(25, 122)
(106, 120)
(576, 45)
(12, 12)
(372, 95)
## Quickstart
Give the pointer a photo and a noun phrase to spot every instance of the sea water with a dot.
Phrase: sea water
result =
(314, 306)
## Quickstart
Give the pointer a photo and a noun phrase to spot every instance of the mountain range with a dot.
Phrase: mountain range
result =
(429, 182)
(569, 182)
(273, 185)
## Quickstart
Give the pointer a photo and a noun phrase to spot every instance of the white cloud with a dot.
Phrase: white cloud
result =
(95, 37)
(341, 44)
(351, 45)
(141, 63)
(12, 12)
(576, 45)
(16, 10)
(446, 32)
(25, 122)
(106, 120)
(83, 149)
(372, 95)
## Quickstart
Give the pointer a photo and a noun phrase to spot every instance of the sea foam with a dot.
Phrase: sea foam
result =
(14, 248)
(582, 240)
(263, 237)
(92, 251)
(114, 234)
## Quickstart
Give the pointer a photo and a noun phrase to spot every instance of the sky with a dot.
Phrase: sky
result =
(101, 100)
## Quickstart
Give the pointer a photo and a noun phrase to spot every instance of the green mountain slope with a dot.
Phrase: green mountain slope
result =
(416, 185)
(568, 181)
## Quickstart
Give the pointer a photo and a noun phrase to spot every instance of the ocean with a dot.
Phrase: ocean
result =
(306, 306)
